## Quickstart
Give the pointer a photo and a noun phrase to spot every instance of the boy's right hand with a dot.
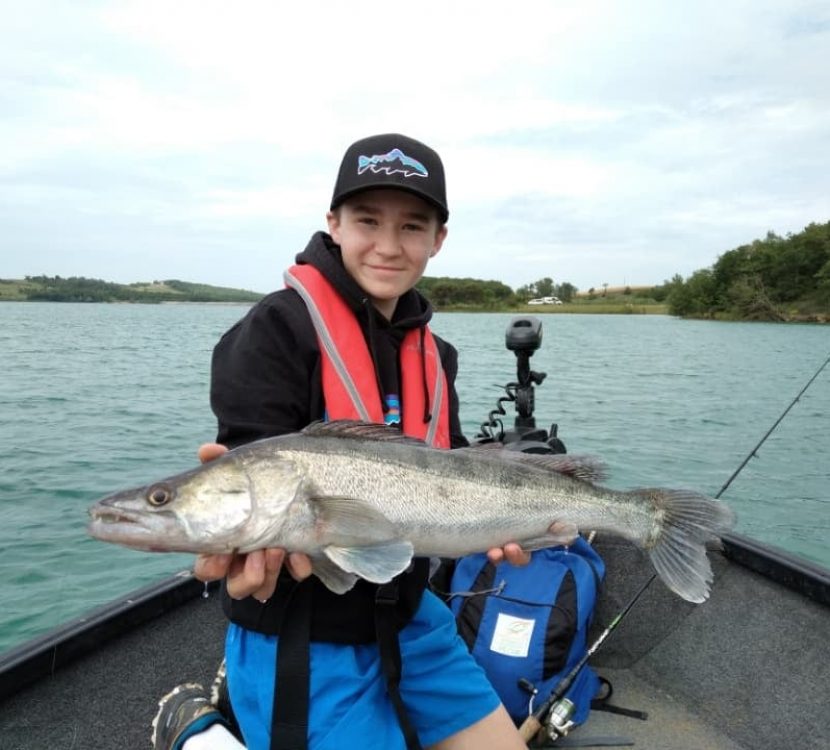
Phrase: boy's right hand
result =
(252, 574)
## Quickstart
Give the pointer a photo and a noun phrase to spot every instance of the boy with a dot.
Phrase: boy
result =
(380, 666)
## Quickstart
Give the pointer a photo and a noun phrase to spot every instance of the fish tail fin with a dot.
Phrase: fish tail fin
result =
(687, 522)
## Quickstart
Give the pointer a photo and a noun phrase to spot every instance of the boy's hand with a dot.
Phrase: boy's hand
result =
(512, 553)
(252, 574)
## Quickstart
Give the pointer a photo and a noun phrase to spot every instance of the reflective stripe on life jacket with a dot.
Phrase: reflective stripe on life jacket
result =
(350, 386)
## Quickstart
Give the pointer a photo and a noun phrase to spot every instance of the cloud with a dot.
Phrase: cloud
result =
(630, 140)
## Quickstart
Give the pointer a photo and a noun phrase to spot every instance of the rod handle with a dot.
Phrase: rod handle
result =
(530, 728)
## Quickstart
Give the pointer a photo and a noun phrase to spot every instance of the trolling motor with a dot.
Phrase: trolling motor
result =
(523, 337)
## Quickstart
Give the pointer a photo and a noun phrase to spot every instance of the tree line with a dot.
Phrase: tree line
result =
(445, 291)
(776, 278)
(547, 288)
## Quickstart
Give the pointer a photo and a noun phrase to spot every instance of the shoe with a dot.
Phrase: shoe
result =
(184, 711)
(220, 699)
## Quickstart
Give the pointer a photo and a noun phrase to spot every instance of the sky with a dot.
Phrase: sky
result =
(593, 142)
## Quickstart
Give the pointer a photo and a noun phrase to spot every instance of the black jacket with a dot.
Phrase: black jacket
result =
(266, 381)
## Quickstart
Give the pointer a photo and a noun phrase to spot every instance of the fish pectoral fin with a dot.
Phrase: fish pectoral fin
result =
(348, 522)
(333, 576)
(378, 563)
(558, 533)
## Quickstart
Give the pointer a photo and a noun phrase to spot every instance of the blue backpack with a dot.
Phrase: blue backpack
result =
(531, 622)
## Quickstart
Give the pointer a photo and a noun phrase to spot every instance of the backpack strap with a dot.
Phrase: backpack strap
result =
(600, 703)
(289, 718)
(468, 619)
(393, 609)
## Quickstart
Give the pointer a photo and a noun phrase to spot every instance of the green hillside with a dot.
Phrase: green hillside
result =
(80, 289)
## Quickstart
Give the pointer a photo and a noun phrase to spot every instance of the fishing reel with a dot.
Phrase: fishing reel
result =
(560, 721)
(523, 337)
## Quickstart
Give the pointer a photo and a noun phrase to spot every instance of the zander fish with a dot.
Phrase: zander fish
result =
(361, 500)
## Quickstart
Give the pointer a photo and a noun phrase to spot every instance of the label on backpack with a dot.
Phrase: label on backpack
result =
(512, 636)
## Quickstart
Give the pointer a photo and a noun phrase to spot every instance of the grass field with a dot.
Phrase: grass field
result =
(606, 308)
(613, 302)
(11, 290)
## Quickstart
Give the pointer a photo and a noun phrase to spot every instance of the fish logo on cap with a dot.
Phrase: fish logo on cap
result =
(395, 162)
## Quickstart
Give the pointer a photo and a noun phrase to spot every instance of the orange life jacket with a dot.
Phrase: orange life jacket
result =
(350, 386)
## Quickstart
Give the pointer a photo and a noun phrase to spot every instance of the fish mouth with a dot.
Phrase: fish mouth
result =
(123, 527)
(108, 516)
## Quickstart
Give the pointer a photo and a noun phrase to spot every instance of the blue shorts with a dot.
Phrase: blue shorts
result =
(443, 688)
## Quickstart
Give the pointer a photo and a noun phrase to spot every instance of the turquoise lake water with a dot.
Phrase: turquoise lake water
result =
(95, 398)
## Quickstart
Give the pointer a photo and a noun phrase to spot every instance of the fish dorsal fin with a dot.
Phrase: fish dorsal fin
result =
(378, 563)
(356, 430)
(585, 468)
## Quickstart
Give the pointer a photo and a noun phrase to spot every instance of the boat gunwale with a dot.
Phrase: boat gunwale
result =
(799, 574)
(41, 656)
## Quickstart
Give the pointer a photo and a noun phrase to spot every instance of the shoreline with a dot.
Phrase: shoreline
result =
(572, 308)
(592, 308)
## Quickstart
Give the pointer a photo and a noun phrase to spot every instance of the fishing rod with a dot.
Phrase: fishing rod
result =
(753, 452)
(560, 720)
(560, 708)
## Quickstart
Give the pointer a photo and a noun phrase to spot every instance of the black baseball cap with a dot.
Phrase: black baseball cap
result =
(392, 161)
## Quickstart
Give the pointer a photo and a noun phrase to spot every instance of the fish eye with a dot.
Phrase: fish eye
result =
(159, 494)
